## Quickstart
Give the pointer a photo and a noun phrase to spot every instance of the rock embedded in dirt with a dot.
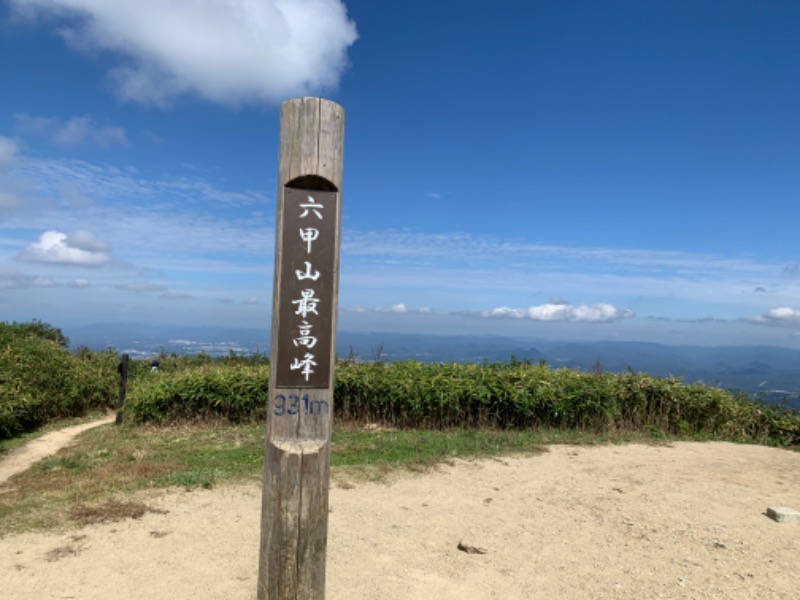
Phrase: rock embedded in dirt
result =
(781, 514)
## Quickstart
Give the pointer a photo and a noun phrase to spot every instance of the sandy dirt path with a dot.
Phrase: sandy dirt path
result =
(22, 458)
(623, 522)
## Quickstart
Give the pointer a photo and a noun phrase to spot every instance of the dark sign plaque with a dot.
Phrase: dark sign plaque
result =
(306, 296)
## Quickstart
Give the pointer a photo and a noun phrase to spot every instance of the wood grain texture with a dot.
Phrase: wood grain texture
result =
(294, 518)
(312, 140)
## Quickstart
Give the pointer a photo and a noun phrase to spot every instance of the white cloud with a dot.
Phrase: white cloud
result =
(783, 316)
(395, 308)
(81, 248)
(79, 283)
(561, 311)
(228, 51)
(176, 295)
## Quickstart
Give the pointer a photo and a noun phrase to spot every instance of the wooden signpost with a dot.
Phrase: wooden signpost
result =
(294, 514)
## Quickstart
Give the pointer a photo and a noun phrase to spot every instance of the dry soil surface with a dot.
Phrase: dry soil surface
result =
(633, 522)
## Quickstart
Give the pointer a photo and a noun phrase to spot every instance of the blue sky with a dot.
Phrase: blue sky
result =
(590, 169)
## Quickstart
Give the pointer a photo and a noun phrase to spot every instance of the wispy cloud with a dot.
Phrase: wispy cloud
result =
(144, 216)
(44, 282)
(75, 131)
(426, 247)
(80, 130)
(699, 320)
(397, 309)
(141, 287)
(176, 295)
(11, 278)
(479, 264)
(9, 151)
(231, 52)
(10, 193)
(793, 269)
(117, 186)
(35, 125)
(217, 241)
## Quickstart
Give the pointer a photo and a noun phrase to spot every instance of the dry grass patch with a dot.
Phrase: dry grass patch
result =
(110, 512)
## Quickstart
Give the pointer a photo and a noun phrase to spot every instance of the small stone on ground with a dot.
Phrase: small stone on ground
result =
(781, 514)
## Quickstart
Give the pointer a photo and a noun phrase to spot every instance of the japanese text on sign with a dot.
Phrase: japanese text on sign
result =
(307, 281)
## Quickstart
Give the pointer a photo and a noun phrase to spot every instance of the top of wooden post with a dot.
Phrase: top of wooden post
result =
(311, 144)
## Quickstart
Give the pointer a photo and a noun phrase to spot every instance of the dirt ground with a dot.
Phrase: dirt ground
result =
(626, 522)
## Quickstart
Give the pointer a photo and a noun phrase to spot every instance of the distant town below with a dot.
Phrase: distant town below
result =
(773, 373)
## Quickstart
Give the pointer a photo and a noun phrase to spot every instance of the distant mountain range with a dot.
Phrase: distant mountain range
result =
(773, 371)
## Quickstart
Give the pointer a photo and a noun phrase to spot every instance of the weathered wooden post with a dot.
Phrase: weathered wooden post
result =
(122, 369)
(294, 514)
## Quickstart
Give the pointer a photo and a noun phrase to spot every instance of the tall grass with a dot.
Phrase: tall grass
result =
(498, 396)
(521, 396)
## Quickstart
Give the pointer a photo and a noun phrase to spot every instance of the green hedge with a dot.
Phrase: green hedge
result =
(440, 396)
(412, 394)
(236, 392)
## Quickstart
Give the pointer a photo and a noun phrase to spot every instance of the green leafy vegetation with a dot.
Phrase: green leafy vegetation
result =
(233, 391)
(41, 381)
(522, 396)
(518, 396)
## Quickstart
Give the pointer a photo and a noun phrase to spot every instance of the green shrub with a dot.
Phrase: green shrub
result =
(236, 393)
(523, 396)
(504, 396)
(41, 381)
